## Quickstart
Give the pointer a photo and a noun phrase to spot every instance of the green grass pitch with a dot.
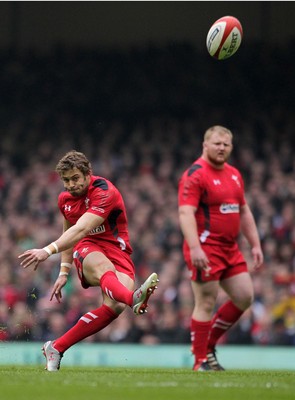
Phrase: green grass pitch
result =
(32, 383)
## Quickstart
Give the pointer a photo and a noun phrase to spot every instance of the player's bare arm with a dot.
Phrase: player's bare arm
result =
(249, 230)
(67, 240)
(65, 267)
(189, 229)
(66, 255)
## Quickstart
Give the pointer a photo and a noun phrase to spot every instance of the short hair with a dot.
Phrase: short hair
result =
(74, 159)
(217, 128)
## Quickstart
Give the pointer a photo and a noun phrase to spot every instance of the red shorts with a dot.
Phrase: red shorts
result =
(224, 261)
(121, 260)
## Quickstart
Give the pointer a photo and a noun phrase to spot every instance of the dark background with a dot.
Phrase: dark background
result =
(42, 24)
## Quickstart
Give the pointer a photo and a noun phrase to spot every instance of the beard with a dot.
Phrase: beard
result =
(79, 191)
(217, 160)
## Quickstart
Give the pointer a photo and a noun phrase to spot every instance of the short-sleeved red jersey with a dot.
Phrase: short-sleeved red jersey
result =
(218, 196)
(104, 200)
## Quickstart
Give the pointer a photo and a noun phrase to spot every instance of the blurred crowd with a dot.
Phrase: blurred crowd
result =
(139, 115)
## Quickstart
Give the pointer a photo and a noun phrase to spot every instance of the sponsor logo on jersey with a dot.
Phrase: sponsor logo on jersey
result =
(216, 182)
(229, 208)
(97, 230)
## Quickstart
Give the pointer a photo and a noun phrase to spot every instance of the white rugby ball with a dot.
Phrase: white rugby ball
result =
(224, 37)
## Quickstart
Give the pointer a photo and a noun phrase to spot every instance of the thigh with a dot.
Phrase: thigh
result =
(128, 283)
(95, 264)
(205, 295)
(125, 280)
(240, 289)
(204, 290)
(93, 260)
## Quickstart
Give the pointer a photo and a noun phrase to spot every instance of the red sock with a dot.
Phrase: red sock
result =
(114, 289)
(90, 323)
(224, 318)
(199, 339)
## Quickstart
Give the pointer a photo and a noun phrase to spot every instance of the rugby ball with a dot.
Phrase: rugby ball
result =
(224, 37)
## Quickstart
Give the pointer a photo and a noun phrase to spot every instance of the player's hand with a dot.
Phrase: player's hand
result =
(59, 284)
(257, 257)
(199, 259)
(33, 257)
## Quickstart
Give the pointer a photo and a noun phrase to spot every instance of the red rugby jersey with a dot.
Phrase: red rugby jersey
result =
(104, 200)
(218, 196)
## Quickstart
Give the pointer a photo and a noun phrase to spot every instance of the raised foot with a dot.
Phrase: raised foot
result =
(143, 293)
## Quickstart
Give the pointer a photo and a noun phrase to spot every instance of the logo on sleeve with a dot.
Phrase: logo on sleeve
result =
(99, 209)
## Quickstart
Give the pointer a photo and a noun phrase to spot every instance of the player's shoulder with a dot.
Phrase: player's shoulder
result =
(102, 184)
(197, 168)
(63, 197)
(231, 168)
